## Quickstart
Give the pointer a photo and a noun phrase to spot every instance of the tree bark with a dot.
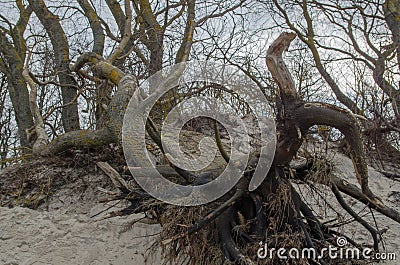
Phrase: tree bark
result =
(51, 23)
(12, 66)
(95, 25)
(391, 9)
(112, 132)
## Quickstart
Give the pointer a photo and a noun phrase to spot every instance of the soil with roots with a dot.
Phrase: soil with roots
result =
(47, 215)
(51, 214)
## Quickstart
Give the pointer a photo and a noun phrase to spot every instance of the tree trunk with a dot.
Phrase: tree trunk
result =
(50, 22)
(12, 66)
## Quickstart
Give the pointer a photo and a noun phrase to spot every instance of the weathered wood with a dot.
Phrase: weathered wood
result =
(311, 114)
(115, 177)
(278, 68)
(41, 135)
(353, 191)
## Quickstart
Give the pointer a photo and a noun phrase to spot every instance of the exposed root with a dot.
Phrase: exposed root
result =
(240, 192)
(372, 230)
(229, 248)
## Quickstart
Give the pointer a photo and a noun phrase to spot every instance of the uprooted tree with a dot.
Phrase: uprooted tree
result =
(230, 228)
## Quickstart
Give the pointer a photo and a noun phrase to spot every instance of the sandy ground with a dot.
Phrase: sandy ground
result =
(62, 231)
(35, 237)
(383, 187)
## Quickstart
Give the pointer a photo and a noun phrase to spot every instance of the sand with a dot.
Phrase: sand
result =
(37, 237)
(63, 232)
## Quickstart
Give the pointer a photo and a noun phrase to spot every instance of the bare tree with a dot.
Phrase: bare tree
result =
(133, 40)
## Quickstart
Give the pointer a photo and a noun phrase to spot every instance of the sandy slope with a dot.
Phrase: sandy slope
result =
(384, 188)
(35, 237)
(380, 185)
(62, 232)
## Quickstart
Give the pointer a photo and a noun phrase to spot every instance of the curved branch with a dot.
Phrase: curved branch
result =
(300, 117)
(310, 114)
(117, 13)
(230, 249)
(80, 139)
(110, 134)
(101, 67)
(349, 189)
(308, 38)
(310, 42)
(127, 85)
